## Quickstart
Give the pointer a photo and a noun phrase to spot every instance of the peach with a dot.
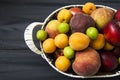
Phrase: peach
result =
(87, 62)
(52, 28)
(102, 16)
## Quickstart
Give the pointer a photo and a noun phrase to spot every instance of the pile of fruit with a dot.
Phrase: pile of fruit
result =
(84, 39)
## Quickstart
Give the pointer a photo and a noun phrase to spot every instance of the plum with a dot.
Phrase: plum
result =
(80, 22)
(108, 61)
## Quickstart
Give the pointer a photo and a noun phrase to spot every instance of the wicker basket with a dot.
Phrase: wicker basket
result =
(28, 36)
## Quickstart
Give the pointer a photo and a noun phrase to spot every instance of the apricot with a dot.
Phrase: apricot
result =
(79, 41)
(98, 43)
(49, 46)
(61, 40)
(62, 63)
(108, 46)
(64, 15)
(89, 7)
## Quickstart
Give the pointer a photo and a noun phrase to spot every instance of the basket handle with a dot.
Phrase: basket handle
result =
(29, 38)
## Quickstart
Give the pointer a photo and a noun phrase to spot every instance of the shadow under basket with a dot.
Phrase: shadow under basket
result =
(30, 41)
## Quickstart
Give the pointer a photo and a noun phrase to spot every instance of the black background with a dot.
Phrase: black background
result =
(17, 61)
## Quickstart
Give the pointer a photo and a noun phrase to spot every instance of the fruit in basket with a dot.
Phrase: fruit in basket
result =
(102, 16)
(98, 43)
(49, 46)
(58, 53)
(117, 15)
(68, 52)
(87, 62)
(63, 27)
(64, 15)
(92, 32)
(108, 61)
(75, 10)
(52, 28)
(119, 60)
(112, 32)
(61, 40)
(88, 8)
(108, 46)
(78, 41)
(117, 51)
(41, 35)
(80, 22)
(62, 63)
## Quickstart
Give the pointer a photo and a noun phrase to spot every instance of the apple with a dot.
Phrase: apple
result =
(63, 27)
(92, 32)
(75, 10)
(109, 61)
(117, 15)
(68, 52)
(112, 32)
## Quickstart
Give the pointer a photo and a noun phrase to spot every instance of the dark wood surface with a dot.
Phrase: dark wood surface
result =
(17, 61)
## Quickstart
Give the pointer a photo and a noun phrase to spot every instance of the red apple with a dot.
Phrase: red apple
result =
(117, 15)
(75, 10)
(108, 61)
(112, 32)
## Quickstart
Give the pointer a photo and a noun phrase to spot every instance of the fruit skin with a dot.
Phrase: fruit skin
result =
(49, 46)
(119, 60)
(41, 35)
(61, 40)
(117, 15)
(63, 27)
(88, 8)
(109, 61)
(92, 32)
(108, 46)
(52, 28)
(78, 41)
(102, 16)
(87, 62)
(68, 52)
(58, 53)
(117, 51)
(62, 63)
(112, 32)
(75, 10)
(64, 15)
(98, 43)
(80, 22)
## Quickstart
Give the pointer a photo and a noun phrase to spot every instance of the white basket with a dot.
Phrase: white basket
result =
(30, 43)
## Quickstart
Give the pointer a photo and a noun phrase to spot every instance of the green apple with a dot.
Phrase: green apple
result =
(63, 27)
(92, 32)
(68, 52)
(41, 35)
